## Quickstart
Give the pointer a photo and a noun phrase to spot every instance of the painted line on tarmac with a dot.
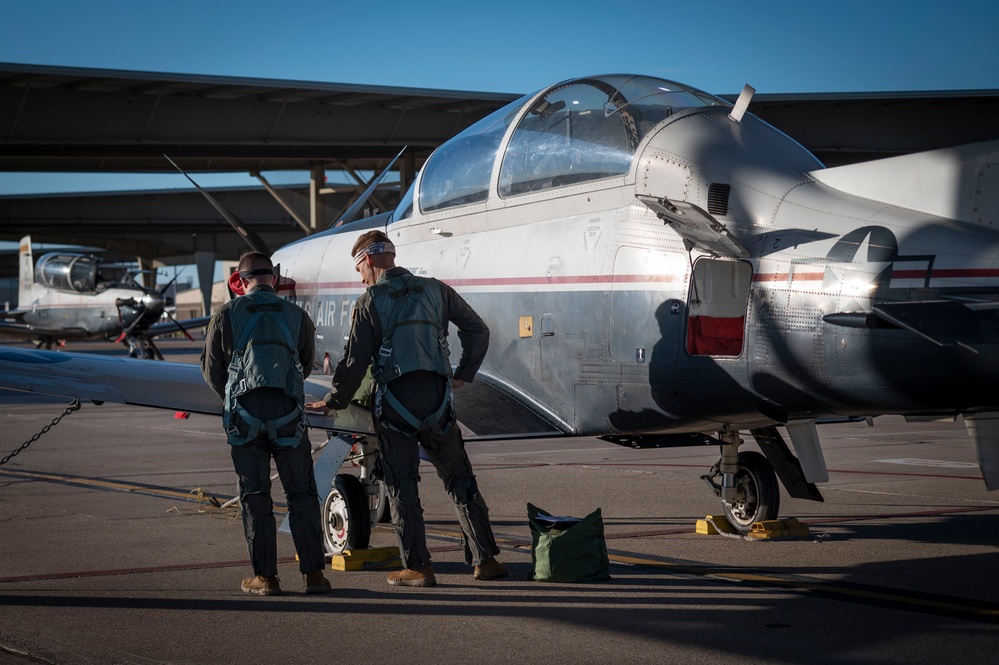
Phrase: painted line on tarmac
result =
(207, 565)
(891, 516)
(937, 463)
(901, 474)
(112, 485)
(669, 465)
(132, 571)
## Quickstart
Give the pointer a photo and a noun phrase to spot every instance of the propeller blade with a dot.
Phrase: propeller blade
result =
(351, 212)
(255, 242)
(168, 284)
(177, 323)
(152, 347)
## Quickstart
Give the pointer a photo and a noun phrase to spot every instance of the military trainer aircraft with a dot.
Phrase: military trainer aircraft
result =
(658, 266)
(73, 296)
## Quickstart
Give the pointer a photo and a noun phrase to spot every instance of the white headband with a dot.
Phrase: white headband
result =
(373, 248)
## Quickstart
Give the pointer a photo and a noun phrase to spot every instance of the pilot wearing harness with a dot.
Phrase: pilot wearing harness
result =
(258, 351)
(399, 329)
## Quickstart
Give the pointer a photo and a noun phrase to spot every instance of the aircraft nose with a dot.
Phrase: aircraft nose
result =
(154, 302)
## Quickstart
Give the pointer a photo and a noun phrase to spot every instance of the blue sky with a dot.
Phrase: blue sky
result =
(513, 46)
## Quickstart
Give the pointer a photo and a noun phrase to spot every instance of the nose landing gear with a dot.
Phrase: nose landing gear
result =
(346, 522)
(748, 488)
(354, 503)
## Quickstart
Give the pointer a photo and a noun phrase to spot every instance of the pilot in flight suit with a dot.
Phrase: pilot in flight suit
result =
(412, 402)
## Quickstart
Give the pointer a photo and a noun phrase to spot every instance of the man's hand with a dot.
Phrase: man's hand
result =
(456, 383)
(318, 407)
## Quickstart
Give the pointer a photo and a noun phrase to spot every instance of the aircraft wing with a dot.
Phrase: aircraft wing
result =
(486, 410)
(102, 378)
(165, 385)
(25, 330)
(15, 328)
(168, 327)
(968, 322)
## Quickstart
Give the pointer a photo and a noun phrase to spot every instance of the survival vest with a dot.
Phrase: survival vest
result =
(413, 339)
(265, 330)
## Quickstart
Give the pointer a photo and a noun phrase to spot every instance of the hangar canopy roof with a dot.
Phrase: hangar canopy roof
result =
(59, 119)
(72, 119)
(66, 119)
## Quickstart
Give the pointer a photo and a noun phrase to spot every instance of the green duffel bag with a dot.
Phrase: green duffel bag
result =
(567, 549)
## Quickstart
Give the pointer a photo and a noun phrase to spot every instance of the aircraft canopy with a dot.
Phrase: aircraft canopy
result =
(577, 131)
(75, 273)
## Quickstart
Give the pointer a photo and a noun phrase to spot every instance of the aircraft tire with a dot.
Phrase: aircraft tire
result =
(346, 521)
(758, 484)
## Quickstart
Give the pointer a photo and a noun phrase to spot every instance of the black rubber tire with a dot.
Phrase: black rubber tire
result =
(346, 520)
(757, 478)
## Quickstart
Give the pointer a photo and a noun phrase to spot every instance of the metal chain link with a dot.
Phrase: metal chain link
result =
(73, 406)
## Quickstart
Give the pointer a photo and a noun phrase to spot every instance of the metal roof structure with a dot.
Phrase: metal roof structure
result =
(59, 119)
(67, 119)
(163, 223)
(845, 128)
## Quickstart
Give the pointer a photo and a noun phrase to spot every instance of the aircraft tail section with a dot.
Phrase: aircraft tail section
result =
(26, 274)
(960, 183)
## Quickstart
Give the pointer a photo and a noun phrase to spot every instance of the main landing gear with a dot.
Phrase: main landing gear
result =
(748, 487)
(748, 480)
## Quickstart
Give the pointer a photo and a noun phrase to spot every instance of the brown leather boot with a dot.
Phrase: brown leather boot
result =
(413, 577)
(316, 582)
(490, 569)
(262, 586)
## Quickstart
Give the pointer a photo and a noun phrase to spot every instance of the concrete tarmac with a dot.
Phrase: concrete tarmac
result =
(112, 553)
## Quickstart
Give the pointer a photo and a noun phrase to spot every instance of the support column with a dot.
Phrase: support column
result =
(316, 182)
(407, 172)
(205, 262)
(145, 267)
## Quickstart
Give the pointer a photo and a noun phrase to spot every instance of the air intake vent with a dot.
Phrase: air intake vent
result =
(718, 198)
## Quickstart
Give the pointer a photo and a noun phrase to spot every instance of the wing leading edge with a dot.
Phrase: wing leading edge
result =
(107, 379)
(150, 383)
(486, 411)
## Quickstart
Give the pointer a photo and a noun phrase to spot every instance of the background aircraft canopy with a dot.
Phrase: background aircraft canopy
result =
(580, 130)
(75, 273)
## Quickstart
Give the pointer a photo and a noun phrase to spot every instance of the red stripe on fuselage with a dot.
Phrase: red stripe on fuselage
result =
(949, 273)
(504, 281)
(953, 273)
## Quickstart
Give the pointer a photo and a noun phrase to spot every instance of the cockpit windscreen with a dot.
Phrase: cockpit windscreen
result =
(589, 129)
(580, 130)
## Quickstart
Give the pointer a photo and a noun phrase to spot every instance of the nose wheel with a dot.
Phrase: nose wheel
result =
(346, 517)
(757, 493)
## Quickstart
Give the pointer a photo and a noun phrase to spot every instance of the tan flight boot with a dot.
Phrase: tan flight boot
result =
(316, 582)
(262, 586)
(490, 569)
(413, 577)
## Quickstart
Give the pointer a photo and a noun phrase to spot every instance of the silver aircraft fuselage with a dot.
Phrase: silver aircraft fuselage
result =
(588, 290)
(658, 267)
